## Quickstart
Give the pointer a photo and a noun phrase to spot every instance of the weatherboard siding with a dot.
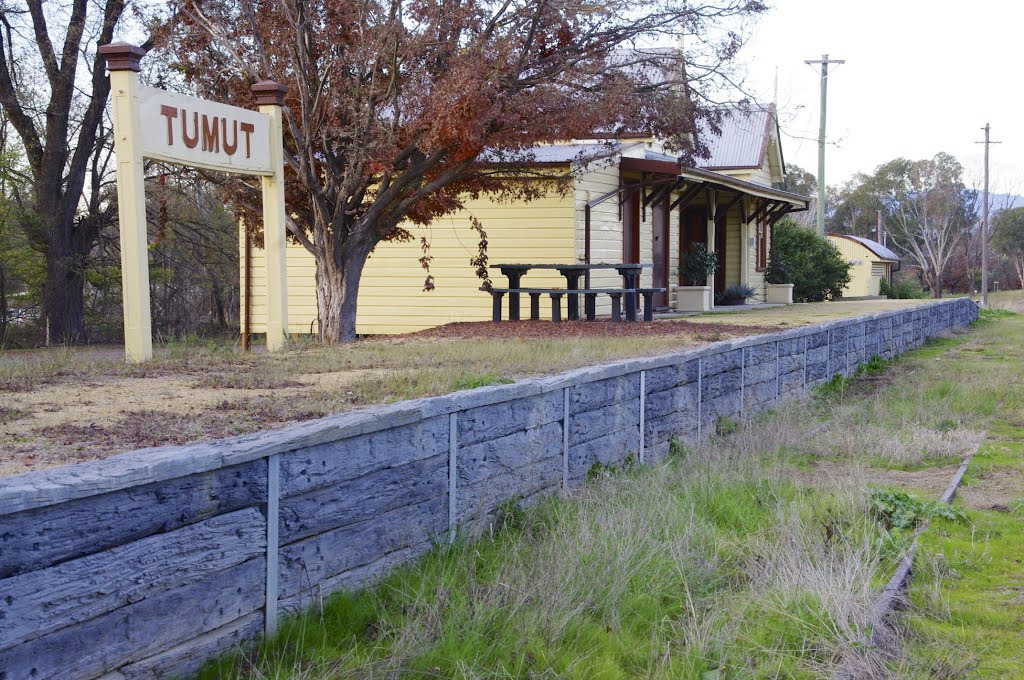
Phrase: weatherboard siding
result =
(862, 282)
(391, 295)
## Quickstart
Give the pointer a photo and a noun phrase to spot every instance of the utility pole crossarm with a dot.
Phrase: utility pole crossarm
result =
(824, 62)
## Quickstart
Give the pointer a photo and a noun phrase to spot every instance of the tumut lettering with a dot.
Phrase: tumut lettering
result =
(216, 133)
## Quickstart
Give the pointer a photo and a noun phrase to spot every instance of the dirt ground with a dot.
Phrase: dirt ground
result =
(61, 406)
(929, 482)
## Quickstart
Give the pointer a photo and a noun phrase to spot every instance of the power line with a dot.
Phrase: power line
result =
(984, 222)
(824, 62)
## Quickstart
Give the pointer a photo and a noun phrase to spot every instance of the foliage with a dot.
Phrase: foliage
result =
(897, 509)
(22, 266)
(800, 181)
(776, 272)
(735, 294)
(873, 366)
(471, 381)
(804, 183)
(53, 90)
(989, 313)
(698, 264)
(726, 426)
(816, 268)
(1008, 238)
(397, 114)
(901, 289)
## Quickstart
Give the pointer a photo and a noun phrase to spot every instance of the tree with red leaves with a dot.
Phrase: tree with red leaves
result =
(397, 112)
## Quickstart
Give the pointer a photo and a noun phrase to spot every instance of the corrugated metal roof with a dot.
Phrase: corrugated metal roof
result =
(555, 153)
(743, 141)
(874, 246)
(655, 156)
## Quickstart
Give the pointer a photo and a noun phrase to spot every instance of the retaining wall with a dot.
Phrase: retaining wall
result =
(147, 563)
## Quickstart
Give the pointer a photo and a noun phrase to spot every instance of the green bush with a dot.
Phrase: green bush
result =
(814, 266)
(776, 271)
(905, 289)
(735, 294)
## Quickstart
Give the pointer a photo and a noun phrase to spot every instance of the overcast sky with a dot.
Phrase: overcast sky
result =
(920, 77)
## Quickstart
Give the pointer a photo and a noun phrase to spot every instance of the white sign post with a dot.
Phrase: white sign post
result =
(176, 128)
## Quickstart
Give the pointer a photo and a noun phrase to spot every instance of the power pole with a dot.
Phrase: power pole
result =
(824, 61)
(984, 222)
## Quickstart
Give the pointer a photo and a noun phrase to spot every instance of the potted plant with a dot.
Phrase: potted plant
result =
(736, 295)
(777, 281)
(697, 266)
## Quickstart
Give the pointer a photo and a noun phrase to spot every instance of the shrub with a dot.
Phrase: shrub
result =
(814, 266)
(905, 289)
(735, 294)
(698, 264)
(776, 271)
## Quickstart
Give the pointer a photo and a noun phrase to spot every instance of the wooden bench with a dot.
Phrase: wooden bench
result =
(589, 304)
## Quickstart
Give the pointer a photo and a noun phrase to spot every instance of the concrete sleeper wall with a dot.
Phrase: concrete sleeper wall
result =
(147, 563)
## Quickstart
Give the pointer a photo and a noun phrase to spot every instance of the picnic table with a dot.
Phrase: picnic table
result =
(629, 272)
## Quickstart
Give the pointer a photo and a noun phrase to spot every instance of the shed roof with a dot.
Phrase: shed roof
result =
(743, 141)
(875, 247)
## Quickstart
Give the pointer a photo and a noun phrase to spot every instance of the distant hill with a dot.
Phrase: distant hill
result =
(999, 202)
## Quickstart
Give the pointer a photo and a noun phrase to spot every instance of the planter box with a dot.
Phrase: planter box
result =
(693, 298)
(779, 293)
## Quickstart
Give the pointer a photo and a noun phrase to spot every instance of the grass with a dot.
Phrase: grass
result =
(651, 573)
(758, 553)
(968, 594)
(1009, 300)
(967, 605)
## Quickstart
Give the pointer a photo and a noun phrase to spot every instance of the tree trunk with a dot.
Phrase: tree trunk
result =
(337, 292)
(63, 301)
(3, 307)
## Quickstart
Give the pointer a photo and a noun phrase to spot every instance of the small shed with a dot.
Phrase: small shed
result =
(870, 263)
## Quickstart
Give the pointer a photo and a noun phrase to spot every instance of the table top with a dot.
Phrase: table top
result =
(576, 267)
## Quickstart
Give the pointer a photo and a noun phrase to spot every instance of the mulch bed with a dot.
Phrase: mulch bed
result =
(577, 329)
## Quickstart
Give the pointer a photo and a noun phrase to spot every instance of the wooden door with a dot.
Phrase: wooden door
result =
(693, 228)
(659, 253)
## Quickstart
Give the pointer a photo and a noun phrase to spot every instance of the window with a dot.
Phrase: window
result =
(761, 246)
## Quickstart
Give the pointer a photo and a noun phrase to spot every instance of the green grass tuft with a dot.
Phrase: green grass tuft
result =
(471, 381)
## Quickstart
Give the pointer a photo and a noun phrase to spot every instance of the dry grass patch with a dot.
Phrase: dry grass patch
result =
(68, 405)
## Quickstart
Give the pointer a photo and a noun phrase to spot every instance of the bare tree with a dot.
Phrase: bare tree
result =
(54, 96)
(929, 211)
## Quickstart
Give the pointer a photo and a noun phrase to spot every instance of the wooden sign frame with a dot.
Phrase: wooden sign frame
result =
(176, 128)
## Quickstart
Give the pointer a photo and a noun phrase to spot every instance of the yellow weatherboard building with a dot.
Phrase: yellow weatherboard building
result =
(630, 201)
(870, 263)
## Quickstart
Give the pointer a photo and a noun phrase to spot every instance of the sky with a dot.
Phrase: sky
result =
(920, 77)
